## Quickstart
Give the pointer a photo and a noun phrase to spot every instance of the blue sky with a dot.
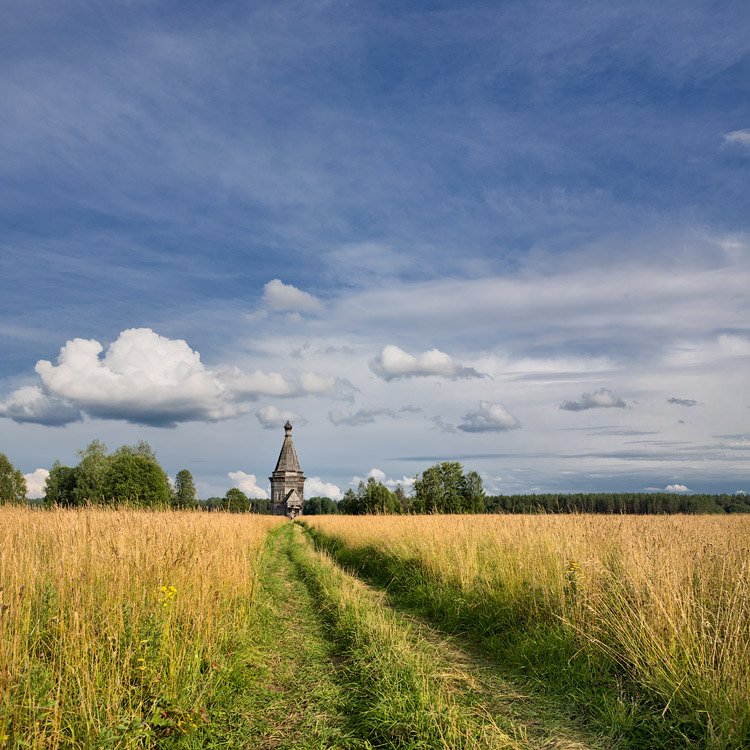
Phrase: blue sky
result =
(512, 233)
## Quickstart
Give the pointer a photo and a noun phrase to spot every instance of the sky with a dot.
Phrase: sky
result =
(511, 234)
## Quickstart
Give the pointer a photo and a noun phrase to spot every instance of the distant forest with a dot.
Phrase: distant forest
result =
(619, 502)
(639, 503)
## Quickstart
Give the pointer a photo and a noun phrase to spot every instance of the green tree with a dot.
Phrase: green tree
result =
(328, 507)
(212, 503)
(236, 501)
(12, 482)
(440, 488)
(184, 490)
(376, 498)
(261, 506)
(472, 492)
(91, 472)
(61, 486)
(312, 506)
(401, 498)
(133, 478)
(349, 504)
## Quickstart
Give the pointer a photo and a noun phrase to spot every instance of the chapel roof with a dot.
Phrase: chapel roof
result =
(288, 460)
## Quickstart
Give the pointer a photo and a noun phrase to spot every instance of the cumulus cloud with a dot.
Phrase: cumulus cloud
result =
(248, 484)
(682, 401)
(316, 487)
(281, 297)
(31, 404)
(489, 417)
(272, 417)
(393, 363)
(36, 483)
(359, 417)
(738, 137)
(601, 399)
(676, 488)
(145, 378)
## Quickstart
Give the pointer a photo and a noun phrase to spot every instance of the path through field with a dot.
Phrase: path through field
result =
(341, 668)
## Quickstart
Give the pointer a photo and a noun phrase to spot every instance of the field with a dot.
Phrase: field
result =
(137, 629)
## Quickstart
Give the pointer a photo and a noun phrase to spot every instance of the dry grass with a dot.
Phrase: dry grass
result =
(667, 597)
(111, 622)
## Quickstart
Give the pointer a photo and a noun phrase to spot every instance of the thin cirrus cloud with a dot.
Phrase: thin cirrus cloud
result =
(489, 417)
(393, 363)
(601, 399)
(144, 378)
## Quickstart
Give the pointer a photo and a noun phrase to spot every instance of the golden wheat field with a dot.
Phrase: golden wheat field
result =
(107, 617)
(667, 597)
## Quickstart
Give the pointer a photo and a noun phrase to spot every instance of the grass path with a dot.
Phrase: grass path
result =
(292, 697)
(500, 707)
(337, 666)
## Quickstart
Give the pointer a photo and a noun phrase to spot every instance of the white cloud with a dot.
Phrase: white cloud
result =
(393, 363)
(312, 382)
(253, 384)
(676, 488)
(145, 378)
(248, 484)
(316, 487)
(377, 474)
(281, 297)
(35, 483)
(272, 417)
(738, 137)
(601, 399)
(31, 404)
(490, 417)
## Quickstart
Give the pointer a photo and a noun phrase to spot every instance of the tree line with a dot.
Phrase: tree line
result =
(132, 476)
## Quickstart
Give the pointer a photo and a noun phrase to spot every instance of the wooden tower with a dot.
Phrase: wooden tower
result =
(287, 480)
